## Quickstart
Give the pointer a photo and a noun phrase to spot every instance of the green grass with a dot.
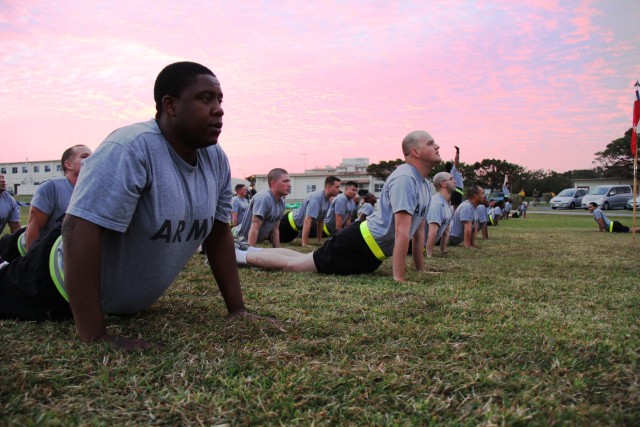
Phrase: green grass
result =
(539, 327)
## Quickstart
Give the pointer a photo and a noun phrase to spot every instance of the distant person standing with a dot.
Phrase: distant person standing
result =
(9, 209)
(605, 224)
(239, 204)
(536, 196)
(51, 198)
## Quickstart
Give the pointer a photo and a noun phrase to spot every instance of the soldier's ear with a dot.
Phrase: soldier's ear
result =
(169, 105)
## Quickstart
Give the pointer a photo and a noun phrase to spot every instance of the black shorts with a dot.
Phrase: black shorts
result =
(26, 289)
(287, 233)
(313, 232)
(345, 253)
(9, 245)
(619, 228)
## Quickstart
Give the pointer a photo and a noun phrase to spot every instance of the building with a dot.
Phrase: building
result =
(350, 169)
(591, 183)
(25, 177)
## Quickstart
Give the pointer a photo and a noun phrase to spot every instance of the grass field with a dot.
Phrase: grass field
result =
(539, 327)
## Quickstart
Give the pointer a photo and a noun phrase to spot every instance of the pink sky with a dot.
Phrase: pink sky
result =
(544, 84)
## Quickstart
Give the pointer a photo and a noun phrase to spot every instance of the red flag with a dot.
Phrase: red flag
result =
(634, 133)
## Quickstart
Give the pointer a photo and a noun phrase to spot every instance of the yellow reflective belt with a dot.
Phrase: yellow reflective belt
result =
(57, 274)
(22, 242)
(326, 230)
(611, 227)
(491, 220)
(458, 190)
(292, 222)
(371, 242)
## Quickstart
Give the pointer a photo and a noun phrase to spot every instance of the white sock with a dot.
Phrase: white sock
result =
(241, 256)
(252, 249)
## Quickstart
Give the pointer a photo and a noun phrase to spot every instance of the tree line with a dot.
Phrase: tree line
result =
(616, 160)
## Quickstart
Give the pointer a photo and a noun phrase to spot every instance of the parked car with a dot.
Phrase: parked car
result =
(497, 196)
(608, 196)
(568, 198)
(630, 203)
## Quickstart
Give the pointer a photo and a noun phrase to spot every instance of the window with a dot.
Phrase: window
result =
(3, 170)
(58, 168)
(47, 168)
(36, 169)
(14, 169)
(311, 188)
(377, 188)
(25, 169)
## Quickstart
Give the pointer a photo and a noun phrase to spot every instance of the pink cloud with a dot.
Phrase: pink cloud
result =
(315, 82)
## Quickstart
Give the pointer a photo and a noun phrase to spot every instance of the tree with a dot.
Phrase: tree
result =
(467, 170)
(490, 174)
(383, 169)
(617, 159)
(582, 174)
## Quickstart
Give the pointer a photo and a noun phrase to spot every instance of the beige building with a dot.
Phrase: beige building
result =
(25, 177)
(591, 183)
(350, 169)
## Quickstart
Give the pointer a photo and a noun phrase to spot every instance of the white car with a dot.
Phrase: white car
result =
(630, 205)
(569, 198)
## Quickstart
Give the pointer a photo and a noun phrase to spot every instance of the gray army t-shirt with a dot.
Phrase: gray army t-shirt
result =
(439, 213)
(481, 214)
(156, 209)
(341, 205)
(366, 209)
(239, 205)
(464, 213)
(264, 205)
(314, 205)
(9, 210)
(404, 190)
(52, 197)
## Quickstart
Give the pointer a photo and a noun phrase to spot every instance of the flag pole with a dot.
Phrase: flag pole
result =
(634, 146)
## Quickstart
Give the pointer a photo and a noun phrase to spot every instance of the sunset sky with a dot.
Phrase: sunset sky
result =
(544, 84)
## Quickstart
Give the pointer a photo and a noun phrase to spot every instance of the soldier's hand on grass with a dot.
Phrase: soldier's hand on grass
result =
(245, 315)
